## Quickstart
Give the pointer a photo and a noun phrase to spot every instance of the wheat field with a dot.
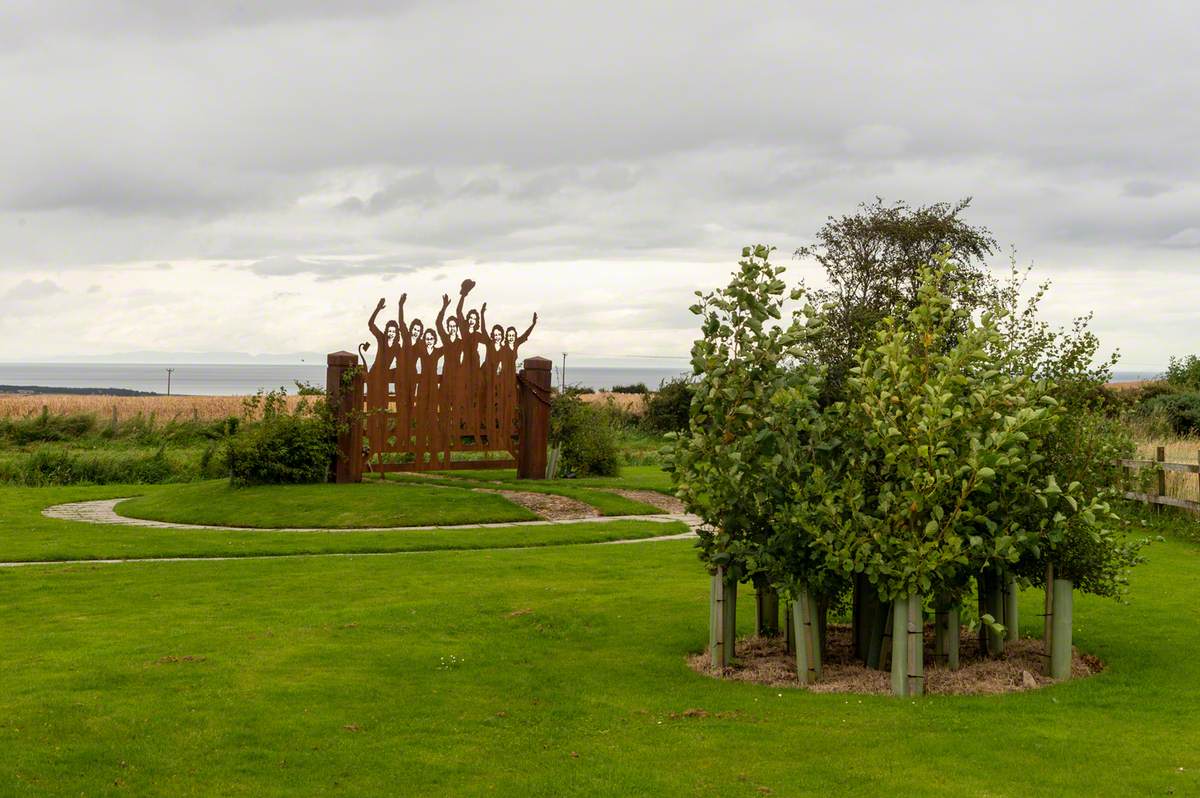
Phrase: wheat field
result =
(163, 408)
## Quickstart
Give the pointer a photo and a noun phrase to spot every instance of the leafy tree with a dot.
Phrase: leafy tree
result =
(874, 259)
(1184, 373)
(730, 467)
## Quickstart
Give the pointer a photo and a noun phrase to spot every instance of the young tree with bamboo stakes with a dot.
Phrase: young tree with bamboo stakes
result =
(728, 466)
(930, 472)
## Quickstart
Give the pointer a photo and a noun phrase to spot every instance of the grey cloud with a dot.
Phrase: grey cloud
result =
(31, 290)
(1145, 189)
(420, 187)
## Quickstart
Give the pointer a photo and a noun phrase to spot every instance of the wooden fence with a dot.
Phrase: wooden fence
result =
(1160, 465)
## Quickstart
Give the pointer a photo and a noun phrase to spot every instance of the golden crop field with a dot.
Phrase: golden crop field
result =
(1178, 450)
(164, 408)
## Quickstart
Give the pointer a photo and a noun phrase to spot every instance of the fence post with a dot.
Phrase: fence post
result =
(535, 418)
(344, 394)
(1160, 454)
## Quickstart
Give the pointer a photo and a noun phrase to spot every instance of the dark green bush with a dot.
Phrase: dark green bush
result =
(667, 410)
(638, 387)
(587, 436)
(1181, 410)
(274, 447)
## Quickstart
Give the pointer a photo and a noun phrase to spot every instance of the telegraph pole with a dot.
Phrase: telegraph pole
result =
(563, 373)
(169, 381)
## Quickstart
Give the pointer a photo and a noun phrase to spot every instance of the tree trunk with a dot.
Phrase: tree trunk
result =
(766, 608)
(953, 627)
(995, 605)
(729, 623)
(878, 638)
(1060, 650)
(790, 626)
(889, 634)
(856, 620)
(716, 619)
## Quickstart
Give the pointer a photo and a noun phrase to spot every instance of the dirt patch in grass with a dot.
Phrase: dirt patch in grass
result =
(668, 504)
(547, 505)
(764, 660)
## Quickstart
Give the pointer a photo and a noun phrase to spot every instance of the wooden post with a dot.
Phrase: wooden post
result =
(535, 418)
(344, 392)
(1060, 650)
(1160, 454)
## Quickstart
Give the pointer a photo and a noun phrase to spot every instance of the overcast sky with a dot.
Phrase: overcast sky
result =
(231, 176)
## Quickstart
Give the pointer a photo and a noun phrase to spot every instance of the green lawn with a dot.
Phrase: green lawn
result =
(25, 535)
(369, 504)
(536, 672)
(604, 502)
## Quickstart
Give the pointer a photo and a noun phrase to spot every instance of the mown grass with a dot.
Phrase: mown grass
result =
(537, 672)
(365, 505)
(26, 535)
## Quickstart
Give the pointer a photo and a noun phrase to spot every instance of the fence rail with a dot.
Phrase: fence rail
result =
(1159, 498)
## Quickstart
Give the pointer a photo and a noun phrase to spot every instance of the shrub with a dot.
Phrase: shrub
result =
(1181, 411)
(280, 447)
(587, 436)
(47, 428)
(667, 410)
(638, 387)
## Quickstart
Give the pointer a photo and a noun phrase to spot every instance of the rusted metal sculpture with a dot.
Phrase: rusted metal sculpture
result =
(431, 391)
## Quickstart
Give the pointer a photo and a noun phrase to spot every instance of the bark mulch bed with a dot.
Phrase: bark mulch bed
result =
(547, 505)
(668, 504)
(764, 660)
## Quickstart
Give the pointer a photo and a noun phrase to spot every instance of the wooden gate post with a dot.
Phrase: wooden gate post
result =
(344, 392)
(535, 418)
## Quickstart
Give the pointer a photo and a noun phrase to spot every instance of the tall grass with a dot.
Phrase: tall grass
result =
(122, 408)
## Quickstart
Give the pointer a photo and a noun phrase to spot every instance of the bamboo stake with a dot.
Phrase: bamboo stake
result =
(915, 646)
(1060, 652)
(899, 647)
(1048, 617)
(1011, 610)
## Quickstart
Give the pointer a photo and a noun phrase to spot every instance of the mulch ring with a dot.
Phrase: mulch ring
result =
(764, 660)
(547, 505)
(668, 504)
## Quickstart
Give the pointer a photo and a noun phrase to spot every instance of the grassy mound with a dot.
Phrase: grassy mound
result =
(362, 506)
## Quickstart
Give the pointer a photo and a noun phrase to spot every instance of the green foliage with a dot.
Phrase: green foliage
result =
(873, 260)
(275, 447)
(667, 410)
(639, 387)
(587, 435)
(58, 466)
(735, 466)
(1184, 373)
(1180, 411)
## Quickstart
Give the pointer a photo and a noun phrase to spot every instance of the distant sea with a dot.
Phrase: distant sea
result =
(208, 379)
